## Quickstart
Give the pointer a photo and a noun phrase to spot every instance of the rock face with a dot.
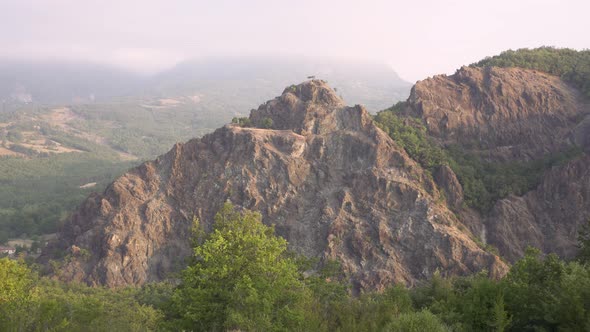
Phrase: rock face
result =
(334, 185)
(508, 113)
(548, 217)
(448, 182)
(513, 114)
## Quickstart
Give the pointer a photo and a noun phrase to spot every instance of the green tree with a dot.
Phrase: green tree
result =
(531, 286)
(480, 304)
(546, 294)
(417, 322)
(28, 303)
(370, 311)
(266, 123)
(241, 279)
(74, 307)
(411, 134)
(17, 294)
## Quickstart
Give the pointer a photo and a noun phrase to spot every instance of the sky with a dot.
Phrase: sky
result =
(418, 38)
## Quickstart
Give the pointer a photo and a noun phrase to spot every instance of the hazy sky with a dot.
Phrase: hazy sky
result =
(418, 38)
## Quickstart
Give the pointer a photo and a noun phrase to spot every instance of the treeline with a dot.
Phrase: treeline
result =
(571, 65)
(30, 303)
(243, 278)
(483, 182)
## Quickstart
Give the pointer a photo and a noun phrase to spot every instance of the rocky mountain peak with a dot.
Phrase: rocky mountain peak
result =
(333, 184)
(311, 107)
(514, 116)
(513, 113)
(316, 92)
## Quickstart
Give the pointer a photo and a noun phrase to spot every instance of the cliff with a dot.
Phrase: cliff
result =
(502, 113)
(507, 115)
(333, 184)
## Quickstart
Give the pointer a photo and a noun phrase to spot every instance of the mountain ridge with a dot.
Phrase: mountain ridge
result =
(517, 116)
(61, 82)
(334, 185)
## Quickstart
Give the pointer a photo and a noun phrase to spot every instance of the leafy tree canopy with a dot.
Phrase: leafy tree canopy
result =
(242, 279)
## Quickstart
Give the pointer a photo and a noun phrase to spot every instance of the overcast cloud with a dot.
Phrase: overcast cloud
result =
(418, 38)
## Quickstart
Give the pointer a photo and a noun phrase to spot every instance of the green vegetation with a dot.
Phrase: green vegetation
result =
(266, 123)
(242, 278)
(40, 187)
(571, 65)
(483, 182)
(242, 122)
(30, 303)
(411, 134)
(37, 194)
(146, 131)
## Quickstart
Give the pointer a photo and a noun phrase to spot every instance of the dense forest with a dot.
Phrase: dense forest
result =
(242, 277)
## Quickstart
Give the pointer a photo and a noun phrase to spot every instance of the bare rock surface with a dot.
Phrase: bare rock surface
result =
(508, 113)
(334, 185)
(548, 217)
(448, 182)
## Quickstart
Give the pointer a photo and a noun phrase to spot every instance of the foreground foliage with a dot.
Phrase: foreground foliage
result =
(28, 303)
(242, 278)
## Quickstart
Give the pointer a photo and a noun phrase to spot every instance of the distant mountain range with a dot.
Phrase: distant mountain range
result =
(64, 82)
(247, 80)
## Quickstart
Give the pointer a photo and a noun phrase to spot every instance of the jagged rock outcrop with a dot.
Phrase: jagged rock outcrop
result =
(548, 217)
(503, 113)
(448, 182)
(508, 114)
(334, 185)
